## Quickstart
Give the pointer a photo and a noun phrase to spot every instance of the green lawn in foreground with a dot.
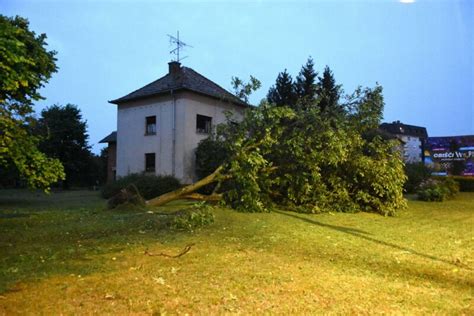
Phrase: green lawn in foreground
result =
(65, 254)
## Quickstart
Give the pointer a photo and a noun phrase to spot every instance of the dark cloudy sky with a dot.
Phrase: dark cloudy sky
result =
(420, 52)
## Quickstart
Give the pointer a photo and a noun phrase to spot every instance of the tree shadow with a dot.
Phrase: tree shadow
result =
(13, 215)
(363, 235)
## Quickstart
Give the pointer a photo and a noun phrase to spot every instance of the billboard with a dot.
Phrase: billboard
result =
(452, 155)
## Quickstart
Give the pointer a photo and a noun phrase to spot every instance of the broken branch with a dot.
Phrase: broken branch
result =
(161, 254)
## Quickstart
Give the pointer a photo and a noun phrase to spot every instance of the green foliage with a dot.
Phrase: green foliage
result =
(243, 90)
(283, 92)
(305, 84)
(64, 137)
(416, 174)
(305, 92)
(210, 154)
(329, 92)
(466, 184)
(438, 189)
(302, 160)
(26, 64)
(198, 215)
(25, 68)
(148, 186)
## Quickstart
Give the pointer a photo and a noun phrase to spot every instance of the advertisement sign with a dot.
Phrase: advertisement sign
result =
(453, 155)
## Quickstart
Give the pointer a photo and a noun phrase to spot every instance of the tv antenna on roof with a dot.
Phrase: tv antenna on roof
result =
(179, 46)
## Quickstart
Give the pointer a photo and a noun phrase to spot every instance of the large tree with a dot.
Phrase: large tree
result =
(25, 66)
(329, 93)
(283, 93)
(305, 84)
(299, 159)
(64, 136)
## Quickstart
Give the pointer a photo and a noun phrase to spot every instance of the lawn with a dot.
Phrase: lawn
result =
(65, 254)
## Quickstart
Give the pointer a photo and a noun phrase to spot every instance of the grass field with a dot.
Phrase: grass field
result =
(65, 254)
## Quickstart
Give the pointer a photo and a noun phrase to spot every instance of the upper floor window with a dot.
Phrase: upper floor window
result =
(203, 124)
(150, 127)
(150, 162)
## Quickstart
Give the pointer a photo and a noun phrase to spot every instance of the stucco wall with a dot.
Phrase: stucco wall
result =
(193, 105)
(132, 143)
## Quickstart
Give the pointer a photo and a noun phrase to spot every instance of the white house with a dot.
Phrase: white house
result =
(160, 125)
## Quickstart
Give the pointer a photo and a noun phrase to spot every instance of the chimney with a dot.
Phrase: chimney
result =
(174, 68)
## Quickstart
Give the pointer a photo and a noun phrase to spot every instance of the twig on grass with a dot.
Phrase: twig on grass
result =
(183, 252)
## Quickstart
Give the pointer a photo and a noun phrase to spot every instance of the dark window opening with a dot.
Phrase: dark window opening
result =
(150, 125)
(150, 162)
(203, 124)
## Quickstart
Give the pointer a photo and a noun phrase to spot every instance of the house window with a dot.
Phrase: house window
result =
(203, 124)
(150, 128)
(150, 162)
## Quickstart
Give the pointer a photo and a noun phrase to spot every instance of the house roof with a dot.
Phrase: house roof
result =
(181, 78)
(398, 128)
(111, 138)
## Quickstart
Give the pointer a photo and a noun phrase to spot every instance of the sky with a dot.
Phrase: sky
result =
(420, 51)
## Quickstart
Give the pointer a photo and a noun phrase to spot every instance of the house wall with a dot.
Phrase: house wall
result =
(111, 161)
(193, 105)
(132, 143)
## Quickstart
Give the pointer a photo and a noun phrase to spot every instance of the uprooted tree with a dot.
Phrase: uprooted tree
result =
(306, 161)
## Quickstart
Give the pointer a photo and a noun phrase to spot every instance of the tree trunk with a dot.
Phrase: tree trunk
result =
(201, 197)
(182, 192)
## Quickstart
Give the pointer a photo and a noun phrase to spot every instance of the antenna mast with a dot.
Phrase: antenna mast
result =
(179, 46)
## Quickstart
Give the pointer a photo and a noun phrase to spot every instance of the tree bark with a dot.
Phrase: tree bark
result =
(182, 192)
(201, 197)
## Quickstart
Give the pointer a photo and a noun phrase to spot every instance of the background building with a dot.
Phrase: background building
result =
(450, 155)
(413, 139)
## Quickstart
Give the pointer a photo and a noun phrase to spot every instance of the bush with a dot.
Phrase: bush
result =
(126, 198)
(194, 217)
(416, 173)
(210, 154)
(438, 189)
(149, 186)
(466, 184)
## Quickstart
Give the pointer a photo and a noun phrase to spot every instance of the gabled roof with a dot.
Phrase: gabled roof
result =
(398, 128)
(181, 78)
(111, 138)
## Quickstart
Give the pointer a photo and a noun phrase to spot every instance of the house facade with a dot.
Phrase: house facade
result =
(111, 141)
(160, 125)
(413, 139)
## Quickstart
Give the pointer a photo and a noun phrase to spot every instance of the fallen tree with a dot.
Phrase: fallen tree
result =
(306, 160)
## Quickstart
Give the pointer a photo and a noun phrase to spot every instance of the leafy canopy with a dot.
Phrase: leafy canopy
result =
(25, 67)
(310, 158)
(64, 136)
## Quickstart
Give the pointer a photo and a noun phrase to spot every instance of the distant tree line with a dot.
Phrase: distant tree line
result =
(38, 152)
(62, 135)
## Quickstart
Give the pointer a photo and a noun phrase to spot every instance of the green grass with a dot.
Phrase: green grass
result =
(65, 254)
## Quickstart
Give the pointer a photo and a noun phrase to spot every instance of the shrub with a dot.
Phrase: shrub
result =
(452, 186)
(438, 189)
(149, 186)
(466, 184)
(194, 217)
(126, 198)
(416, 174)
(210, 154)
